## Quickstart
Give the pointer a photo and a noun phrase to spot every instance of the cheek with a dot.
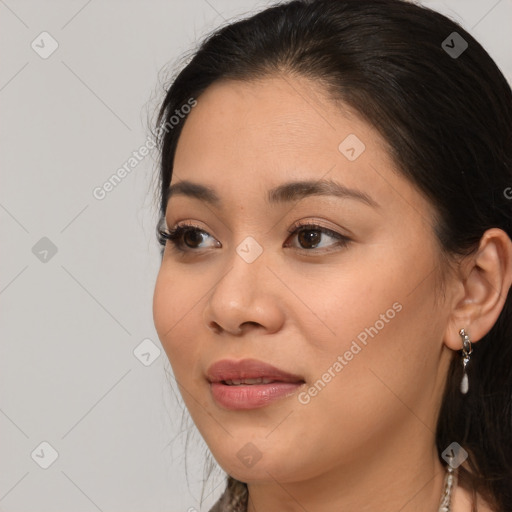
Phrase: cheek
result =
(377, 289)
(175, 302)
(339, 305)
(177, 308)
(383, 323)
(164, 313)
(388, 333)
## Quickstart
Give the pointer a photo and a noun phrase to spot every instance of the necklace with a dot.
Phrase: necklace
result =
(450, 481)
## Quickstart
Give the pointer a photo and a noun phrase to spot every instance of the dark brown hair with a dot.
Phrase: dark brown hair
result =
(448, 122)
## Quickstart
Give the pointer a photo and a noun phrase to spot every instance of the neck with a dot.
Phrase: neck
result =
(397, 476)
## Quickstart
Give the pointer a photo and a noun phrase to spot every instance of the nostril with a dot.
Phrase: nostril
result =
(256, 324)
(218, 329)
(215, 327)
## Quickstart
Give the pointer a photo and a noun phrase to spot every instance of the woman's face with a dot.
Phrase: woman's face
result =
(349, 305)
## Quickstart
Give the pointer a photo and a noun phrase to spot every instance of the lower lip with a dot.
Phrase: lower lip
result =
(251, 396)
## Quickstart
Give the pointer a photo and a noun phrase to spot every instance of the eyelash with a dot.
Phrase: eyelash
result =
(175, 236)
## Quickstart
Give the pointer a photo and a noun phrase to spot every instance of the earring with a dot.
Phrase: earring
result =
(466, 352)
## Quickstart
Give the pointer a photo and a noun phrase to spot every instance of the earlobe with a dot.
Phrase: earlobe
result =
(486, 281)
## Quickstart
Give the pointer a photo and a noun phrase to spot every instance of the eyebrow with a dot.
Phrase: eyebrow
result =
(286, 192)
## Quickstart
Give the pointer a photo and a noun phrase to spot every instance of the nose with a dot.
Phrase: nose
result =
(244, 299)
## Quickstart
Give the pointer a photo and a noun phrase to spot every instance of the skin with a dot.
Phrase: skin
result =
(366, 441)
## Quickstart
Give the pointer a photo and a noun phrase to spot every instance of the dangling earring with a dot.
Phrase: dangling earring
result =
(466, 352)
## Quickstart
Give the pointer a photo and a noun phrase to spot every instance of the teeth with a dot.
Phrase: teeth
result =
(239, 382)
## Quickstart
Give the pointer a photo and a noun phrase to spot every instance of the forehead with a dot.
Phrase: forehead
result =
(244, 138)
(275, 114)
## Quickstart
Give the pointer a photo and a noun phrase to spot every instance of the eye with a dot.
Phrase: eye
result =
(187, 237)
(312, 236)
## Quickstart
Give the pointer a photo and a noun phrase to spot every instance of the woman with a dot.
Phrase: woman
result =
(334, 292)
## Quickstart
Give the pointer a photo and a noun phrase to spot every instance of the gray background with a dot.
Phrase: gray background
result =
(71, 321)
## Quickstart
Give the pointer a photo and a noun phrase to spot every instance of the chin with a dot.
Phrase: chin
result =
(251, 464)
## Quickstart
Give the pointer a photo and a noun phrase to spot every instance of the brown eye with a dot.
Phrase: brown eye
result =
(309, 238)
(315, 239)
(192, 238)
(188, 238)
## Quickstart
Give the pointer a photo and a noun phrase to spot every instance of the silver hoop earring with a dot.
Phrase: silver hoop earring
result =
(467, 349)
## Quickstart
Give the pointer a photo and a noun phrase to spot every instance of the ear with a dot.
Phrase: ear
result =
(484, 280)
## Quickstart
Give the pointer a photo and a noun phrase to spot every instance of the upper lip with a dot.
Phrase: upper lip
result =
(229, 369)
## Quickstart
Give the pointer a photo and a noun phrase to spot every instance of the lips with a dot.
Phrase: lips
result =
(250, 384)
(244, 371)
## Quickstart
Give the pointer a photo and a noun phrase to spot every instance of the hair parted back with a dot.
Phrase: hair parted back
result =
(448, 124)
